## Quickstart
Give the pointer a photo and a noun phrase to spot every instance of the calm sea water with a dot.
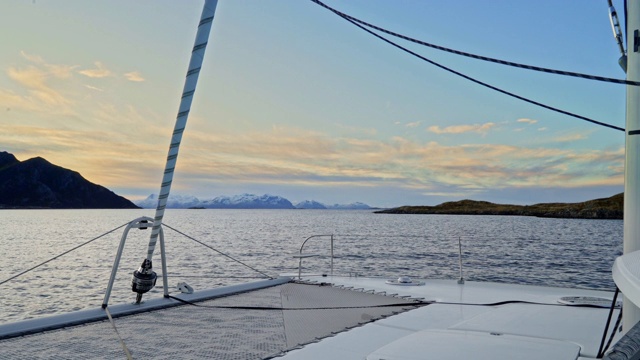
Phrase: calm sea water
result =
(526, 250)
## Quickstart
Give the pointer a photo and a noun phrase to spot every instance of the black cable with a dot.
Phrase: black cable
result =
(218, 251)
(480, 57)
(407, 304)
(613, 331)
(272, 308)
(604, 334)
(416, 303)
(475, 80)
(64, 253)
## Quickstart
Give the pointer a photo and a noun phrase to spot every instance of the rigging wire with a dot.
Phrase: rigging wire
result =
(218, 251)
(479, 57)
(584, 118)
(109, 232)
(615, 27)
(62, 254)
(625, 16)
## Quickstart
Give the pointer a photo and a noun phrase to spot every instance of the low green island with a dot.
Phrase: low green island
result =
(607, 208)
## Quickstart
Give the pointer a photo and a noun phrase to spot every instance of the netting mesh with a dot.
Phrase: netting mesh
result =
(190, 332)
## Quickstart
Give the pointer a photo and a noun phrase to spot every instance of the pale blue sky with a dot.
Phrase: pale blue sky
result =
(294, 101)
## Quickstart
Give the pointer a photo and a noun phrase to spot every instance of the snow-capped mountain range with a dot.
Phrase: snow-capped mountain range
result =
(244, 201)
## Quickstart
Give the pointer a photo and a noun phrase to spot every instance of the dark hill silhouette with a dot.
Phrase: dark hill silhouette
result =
(606, 208)
(36, 183)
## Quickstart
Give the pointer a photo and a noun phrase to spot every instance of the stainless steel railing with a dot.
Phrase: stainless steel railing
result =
(301, 256)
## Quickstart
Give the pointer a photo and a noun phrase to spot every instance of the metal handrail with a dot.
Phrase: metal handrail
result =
(300, 256)
(139, 223)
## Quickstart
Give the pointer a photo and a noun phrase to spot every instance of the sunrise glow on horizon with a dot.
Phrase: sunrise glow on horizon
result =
(296, 102)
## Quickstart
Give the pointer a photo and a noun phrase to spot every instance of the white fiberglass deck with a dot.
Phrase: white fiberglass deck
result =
(470, 321)
(341, 318)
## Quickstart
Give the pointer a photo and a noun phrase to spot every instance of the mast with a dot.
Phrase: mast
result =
(144, 278)
(631, 313)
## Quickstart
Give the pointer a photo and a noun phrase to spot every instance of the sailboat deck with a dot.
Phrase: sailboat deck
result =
(250, 325)
(339, 318)
(518, 321)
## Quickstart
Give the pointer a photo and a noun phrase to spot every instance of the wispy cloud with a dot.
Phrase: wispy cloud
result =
(32, 58)
(461, 129)
(55, 70)
(98, 72)
(35, 80)
(358, 130)
(93, 88)
(296, 156)
(570, 137)
(527, 121)
(115, 155)
(291, 156)
(102, 156)
(134, 76)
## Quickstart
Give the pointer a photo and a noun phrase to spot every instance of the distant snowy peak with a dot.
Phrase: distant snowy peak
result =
(174, 202)
(352, 206)
(243, 201)
(310, 204)
(248, 201)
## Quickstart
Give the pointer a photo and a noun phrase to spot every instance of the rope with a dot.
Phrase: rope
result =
(62, 254)
(479, 57)
(218, 251)
(113, 324)
(473, 79)
(415, 304)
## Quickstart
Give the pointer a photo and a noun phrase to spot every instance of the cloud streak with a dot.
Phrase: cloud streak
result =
(100, 71)
(102, 140)
(134, 76)
(301, 157)
(286, 156)
(461, 129)
(36, 87)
